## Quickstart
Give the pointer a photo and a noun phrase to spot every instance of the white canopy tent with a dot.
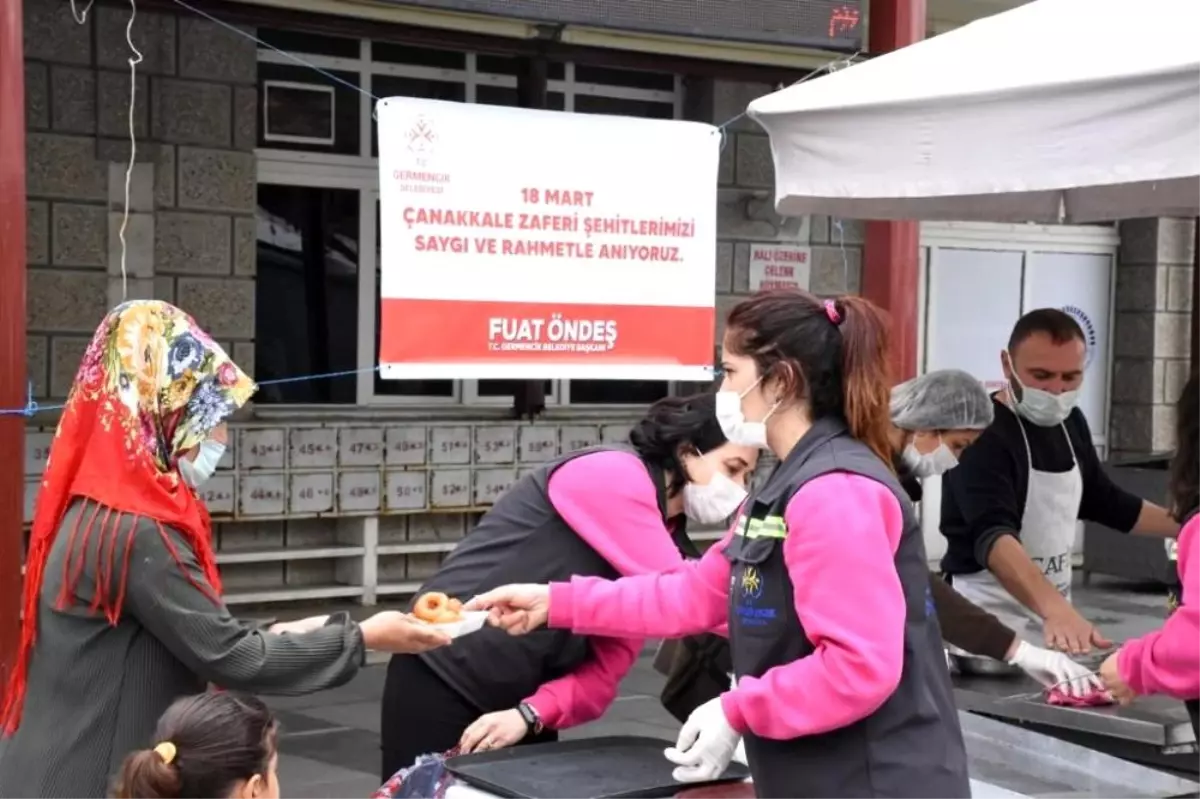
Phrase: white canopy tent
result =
(1056, 111)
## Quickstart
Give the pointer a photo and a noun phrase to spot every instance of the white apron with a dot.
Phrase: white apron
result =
(1048, 537)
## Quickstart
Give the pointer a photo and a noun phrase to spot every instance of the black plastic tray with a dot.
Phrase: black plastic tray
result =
(592, 768)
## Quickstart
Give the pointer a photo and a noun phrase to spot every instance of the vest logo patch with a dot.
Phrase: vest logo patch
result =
(749, 589)
(752, 585)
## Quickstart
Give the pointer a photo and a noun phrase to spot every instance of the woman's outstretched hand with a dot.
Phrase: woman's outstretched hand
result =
(517, 609)
(396, 632)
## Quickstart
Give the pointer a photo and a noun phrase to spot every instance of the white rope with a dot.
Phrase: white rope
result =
(133, 65)
(81, 17)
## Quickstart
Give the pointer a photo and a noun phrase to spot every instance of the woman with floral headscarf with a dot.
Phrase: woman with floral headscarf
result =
(122, 610)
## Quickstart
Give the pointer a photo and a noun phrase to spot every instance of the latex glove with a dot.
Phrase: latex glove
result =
(705, 746)
(739, 754)
(1055, 670)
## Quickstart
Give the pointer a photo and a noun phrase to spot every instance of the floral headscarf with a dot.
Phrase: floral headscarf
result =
(152, 386)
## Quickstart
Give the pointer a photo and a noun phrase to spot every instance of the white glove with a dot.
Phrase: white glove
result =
(1055, 670)
(739, 754)
(705, 746)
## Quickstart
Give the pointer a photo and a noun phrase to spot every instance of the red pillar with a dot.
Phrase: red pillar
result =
(891, 253)
(12, 322)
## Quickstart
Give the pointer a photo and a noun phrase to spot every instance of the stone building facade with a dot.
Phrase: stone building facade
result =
(191, 239)
(361, 501)
(191, 232)
(1155, 297)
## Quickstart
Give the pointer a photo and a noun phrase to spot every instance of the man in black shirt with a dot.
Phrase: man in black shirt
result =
(1009, 511)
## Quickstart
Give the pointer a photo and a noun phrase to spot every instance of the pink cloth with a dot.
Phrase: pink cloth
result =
(1094, 698)
(1167, 661)
(609, 500)
(843, 530)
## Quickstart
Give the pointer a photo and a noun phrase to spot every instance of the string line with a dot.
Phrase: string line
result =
(32, 408)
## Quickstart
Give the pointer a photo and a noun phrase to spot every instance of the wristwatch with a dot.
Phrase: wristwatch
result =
(531, 718)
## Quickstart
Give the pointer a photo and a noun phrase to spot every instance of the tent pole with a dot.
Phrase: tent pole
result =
(12, 324)
(891, 268)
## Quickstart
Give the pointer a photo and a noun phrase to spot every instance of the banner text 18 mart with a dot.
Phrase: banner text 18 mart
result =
(540, 245)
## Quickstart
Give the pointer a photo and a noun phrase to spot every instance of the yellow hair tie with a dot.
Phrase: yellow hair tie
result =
(165, 750)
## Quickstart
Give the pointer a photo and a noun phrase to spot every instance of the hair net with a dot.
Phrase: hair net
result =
(948, 399)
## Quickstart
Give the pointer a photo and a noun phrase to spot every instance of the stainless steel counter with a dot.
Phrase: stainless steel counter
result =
(1155, 721)
(1008, 761)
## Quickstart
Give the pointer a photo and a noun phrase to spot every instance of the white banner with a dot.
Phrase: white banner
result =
(541, 244)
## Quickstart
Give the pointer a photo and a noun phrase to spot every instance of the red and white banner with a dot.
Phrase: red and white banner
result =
(542, 245)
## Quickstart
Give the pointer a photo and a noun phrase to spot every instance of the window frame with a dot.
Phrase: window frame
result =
(283, 166)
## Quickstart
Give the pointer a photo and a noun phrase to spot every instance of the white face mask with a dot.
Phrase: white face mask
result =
(733, 421)
(1041, 407)
(923, 465)
(197, 472)
(714, 501)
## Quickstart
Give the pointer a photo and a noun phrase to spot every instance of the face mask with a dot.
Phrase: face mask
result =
(733, 422)
(196, 472)
(1041, 407)
(714, 501)
(923, 465)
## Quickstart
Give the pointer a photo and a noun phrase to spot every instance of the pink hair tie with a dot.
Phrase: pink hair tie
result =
(832, 312)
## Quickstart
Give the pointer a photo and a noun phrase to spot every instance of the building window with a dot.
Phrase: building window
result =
(312, 223)
(307, 293)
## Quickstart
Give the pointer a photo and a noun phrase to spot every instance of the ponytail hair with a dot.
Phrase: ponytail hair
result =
(205, 746)
(866, 379)
(146, 774)
(831, 354)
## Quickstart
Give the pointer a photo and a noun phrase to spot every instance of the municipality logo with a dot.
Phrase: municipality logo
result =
(1089, 331)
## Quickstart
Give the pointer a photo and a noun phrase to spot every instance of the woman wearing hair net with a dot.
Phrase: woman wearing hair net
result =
(934, 418)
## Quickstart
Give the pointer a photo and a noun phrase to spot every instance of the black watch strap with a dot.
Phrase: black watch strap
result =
(532, 720)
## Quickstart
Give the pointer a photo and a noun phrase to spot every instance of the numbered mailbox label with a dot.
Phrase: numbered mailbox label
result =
(406, 445)
(312, 448)
(538, 443)
(614, 434)
(450, 445)
(37, 450)
(262, 494)
(490, 484)
(219, 494)
(580, 437)
(406, 490)
(450, 488)
(361, 446)
(31, 493)
(311, 493)
(358, 491)
(262, 449)
(495, 444)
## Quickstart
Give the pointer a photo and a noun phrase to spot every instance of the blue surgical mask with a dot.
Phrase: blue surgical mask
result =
(196, 472)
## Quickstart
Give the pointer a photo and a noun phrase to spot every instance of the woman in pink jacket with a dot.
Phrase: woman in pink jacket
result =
(609, 510)
(1167, 661)
(842, 687)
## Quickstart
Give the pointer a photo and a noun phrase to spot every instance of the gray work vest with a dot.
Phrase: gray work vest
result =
(522, 539)
(912, 746)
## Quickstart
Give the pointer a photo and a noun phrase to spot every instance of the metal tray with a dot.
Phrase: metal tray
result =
(592, 768)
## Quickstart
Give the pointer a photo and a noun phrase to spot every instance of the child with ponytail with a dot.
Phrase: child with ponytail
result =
(210, 746)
